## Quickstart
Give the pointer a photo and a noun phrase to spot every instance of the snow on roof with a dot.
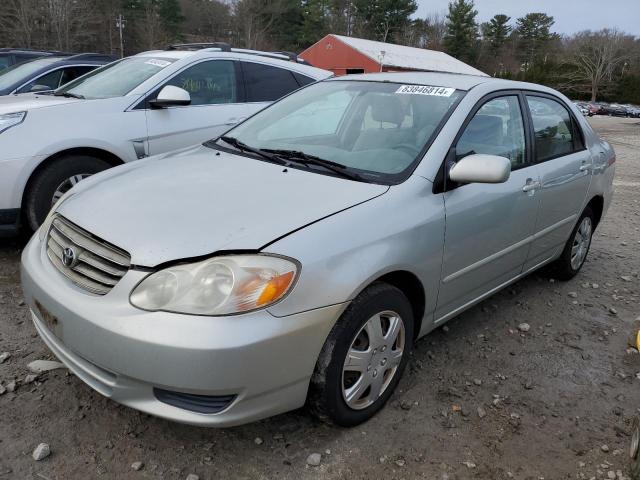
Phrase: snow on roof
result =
(409, 57)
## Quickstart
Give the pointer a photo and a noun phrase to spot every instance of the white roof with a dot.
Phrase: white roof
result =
(409, 57)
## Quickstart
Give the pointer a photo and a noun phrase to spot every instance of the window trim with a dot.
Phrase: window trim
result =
(439, 180)
(574, 125)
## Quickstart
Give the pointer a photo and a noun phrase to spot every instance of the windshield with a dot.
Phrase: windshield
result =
(116, 79)
(375, 129)
(22, 71)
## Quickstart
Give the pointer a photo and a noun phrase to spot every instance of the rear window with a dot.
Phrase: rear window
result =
(553, 128)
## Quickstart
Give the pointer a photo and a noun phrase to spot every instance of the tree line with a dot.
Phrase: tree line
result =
(602, 65)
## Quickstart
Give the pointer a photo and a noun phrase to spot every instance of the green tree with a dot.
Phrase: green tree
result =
(534, 37)
(462, 30)
(496, 32)
(383, 20)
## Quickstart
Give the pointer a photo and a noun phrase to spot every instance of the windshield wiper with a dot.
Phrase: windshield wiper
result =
(301, 157)
(234, 142)
(69, 95)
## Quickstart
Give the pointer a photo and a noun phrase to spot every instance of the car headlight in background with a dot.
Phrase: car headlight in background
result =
(9, 120)
(217, 286)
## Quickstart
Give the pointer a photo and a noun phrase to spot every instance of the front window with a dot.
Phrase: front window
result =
(116, 79)
(375, 129)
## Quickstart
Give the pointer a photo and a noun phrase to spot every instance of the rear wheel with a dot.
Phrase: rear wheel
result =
(55, 180)
(363, 358)
(577, 247)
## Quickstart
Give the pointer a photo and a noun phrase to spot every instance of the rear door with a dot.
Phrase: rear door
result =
(564, 165)
(488, 226)
(216, 105)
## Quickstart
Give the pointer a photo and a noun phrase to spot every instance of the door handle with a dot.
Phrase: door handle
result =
(585, 168)
(233, 121)
(530, 187)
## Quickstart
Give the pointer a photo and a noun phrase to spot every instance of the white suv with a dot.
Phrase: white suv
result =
(143, 105)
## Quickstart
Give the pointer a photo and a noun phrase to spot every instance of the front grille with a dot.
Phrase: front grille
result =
(90, 263)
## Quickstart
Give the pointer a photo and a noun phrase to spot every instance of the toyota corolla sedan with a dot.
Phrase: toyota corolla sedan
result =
(296, 258)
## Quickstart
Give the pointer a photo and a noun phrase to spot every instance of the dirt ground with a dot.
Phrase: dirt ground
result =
(480, 400)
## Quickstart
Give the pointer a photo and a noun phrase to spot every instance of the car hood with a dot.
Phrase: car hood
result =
(29, 101)
(202, 201)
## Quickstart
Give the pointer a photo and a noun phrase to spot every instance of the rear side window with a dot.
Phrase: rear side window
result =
(553, 128)
(302, 79)
(72, 73)
(265, 83)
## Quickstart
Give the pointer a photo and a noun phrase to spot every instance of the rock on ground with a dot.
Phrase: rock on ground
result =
(41, 452)
(40, 366)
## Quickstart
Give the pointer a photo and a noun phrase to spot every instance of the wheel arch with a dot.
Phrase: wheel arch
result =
(102, 154)
(409, 284)
(596, 204)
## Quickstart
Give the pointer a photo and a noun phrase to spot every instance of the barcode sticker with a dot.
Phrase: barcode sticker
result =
(158, 63)
(426, 90)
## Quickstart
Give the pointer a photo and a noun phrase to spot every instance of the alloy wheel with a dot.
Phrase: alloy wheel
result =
(67, 185)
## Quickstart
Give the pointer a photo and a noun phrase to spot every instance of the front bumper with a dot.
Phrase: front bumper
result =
(124, 353)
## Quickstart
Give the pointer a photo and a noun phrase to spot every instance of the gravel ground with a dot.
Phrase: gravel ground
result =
(481, 399)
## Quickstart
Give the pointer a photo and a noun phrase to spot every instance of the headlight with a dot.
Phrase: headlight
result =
(44, 228)
(9, 120)
(217, 286)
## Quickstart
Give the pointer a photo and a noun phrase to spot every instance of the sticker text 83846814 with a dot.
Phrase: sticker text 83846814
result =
(426, 90)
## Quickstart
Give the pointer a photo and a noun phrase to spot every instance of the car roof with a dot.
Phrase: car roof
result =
(440, 79)
(265, 57)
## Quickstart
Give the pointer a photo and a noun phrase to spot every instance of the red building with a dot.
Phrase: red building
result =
(348, 55)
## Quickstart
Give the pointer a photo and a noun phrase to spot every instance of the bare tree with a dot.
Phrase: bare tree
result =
(19, 22)
(595, 57)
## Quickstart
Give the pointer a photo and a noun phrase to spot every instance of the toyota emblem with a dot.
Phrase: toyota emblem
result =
(69, 257)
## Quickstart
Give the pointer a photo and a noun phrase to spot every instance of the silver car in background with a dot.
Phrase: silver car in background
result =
(297, 257)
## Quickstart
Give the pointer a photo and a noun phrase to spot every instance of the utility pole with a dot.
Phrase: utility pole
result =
(120, 21)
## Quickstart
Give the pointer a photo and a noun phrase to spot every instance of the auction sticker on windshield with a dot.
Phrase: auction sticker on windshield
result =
(426, 90)
(158, 63)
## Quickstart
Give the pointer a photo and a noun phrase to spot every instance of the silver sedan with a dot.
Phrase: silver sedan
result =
(296, 258)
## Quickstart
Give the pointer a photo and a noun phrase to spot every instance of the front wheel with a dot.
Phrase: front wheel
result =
(363, 358)
(577, 247)
(53, 181)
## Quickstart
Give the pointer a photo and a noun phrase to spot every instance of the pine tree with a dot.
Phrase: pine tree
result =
(495, 33)
(383, 19)
(534, 36)
(461, 38)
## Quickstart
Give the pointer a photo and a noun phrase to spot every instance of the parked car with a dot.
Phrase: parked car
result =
(584, 109)
(633, 111)
(11, 56)
(296, 258)
(614, 110)
(143, 105)
(48, 73)
(594, 109)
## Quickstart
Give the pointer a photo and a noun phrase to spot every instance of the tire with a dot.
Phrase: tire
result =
(386, 305)
(565, 268)
(51, 179)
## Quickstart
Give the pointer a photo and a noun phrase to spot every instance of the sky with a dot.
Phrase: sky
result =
(570, 15)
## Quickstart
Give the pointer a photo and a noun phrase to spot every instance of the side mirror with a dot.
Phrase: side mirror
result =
(39, 88)
(171, 96)
(479, 168)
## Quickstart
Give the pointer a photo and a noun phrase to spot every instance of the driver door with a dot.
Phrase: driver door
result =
(215, 107)
(489, 227)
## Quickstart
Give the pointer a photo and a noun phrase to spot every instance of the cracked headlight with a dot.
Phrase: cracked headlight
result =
(221, 285)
